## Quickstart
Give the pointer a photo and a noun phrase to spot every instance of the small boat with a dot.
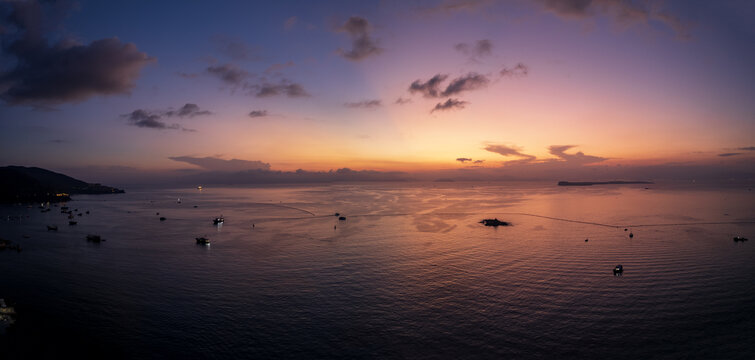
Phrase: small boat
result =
(218, 220)
(618, 269)
(72, 222)
(199, 187)
(341, 218)
(631, 235)
(52, 227)
(494, 222)
(162, 218)
(739, 238)
(203, 241)
(94, 238)
(5, 309)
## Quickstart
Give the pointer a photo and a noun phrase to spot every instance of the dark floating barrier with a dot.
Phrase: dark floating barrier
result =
(94, 238)
(494, 222)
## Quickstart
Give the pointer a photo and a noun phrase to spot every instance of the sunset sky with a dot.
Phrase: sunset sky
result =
(96, 87)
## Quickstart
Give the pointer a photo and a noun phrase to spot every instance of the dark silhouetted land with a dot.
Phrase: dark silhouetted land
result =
(32, 184)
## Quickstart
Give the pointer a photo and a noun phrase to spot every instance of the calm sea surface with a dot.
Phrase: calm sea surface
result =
(409, 274)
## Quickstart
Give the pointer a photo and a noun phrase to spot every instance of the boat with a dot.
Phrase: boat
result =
(218, 220)
(94, 238)
(341, 218)
(52, 227)
(203, 241)
(494, 222)
(162, 218)
(72, 222)
(739, 238)
(199, 187)
(618, 269)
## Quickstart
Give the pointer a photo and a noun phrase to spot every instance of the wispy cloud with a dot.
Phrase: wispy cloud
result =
(429, 88)
(156, 119)
(620, 11)
(217, 164)
(278, 67)
(509, 151)
(257, 113)
(283, 87)
(402, 101)
(365, 104)
(362, 44)
(471, 81)
(463, 160)
(449, 104)
(290, 23)
(729, 154)
(229, 73)
(747, 148)
(476, 51)
(519, 69)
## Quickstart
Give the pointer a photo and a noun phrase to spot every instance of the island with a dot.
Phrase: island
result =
(19, 184)
(589, 183)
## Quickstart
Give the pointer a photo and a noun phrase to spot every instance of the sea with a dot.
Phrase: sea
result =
(397, 270)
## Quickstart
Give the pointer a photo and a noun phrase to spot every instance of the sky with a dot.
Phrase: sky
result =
(467, 89)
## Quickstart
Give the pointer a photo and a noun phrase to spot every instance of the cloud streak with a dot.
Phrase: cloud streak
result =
(217, 164)
(156, 119)
(366, 104)
(450, 104)
(480, 49)
(257, 113)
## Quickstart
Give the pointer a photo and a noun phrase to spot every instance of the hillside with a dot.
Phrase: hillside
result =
(32, 184)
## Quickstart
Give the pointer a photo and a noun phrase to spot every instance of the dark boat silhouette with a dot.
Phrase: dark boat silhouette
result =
(203, 241)
(72, 222)
(494, 222)
(52, 227)
(94, 238)
(218, 220)
(618, 269)
(739, 238)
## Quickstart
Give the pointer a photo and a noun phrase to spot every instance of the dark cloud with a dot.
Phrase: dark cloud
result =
(477, 50)
(463, 160)
(217, 164)
(144, 119)
(235, 49)
(450, 104)
(279, 67)
(478, 161)
(748, 148)
(621, 11)
(429, 88)
(432, 88)
(471, 81)
(402, 101)
(578, 158)
(229, 73)
(156, 119)
(509, 151)
(44, 72)
(366, 104)
(362, 45)
(729, 154)
(257, 113)
(284, 87)
(519, 69)
(188, 110)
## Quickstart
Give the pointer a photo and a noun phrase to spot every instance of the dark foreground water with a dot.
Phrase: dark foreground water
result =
(410, 274)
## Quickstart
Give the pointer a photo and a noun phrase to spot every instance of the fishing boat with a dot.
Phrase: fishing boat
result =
(52, 227)
(618, 269)
(218, 220)
(203, 241)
